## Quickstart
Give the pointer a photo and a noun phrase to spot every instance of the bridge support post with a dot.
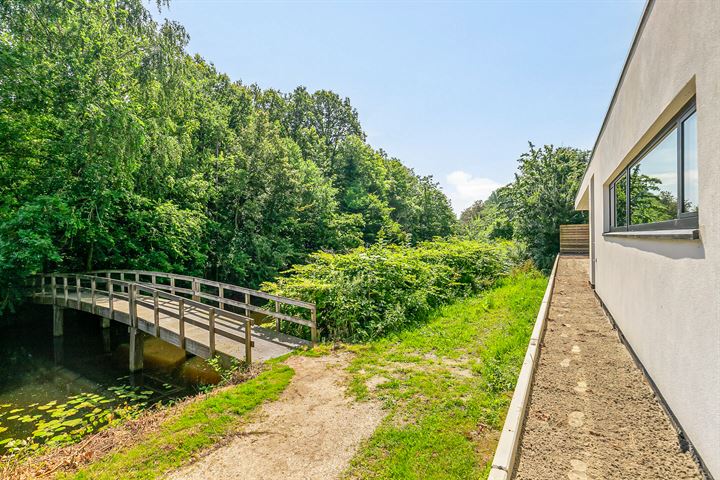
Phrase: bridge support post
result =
(58, 320)
(136, 349)
(58, 350)
(107, 344)
(105, 322)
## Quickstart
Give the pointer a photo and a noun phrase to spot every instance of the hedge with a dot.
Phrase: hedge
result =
(371, 291)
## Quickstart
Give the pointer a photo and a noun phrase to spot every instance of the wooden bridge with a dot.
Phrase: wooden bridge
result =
(203, 317)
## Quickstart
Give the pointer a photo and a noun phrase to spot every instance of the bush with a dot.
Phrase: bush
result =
(370, 291)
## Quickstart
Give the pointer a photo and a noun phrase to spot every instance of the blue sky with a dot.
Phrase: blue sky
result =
(454, 89)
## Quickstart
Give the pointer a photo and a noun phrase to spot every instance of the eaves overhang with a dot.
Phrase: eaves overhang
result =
(581, 200)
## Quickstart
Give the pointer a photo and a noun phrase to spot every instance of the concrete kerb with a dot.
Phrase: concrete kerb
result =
(504, 459)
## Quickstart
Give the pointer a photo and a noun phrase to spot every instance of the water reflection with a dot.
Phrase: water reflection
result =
(690, 164)
(54, 389)
(653, 184)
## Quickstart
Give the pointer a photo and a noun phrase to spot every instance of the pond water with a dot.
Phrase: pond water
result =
(54, 390)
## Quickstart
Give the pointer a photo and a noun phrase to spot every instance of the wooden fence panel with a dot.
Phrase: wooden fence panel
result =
(575, 239)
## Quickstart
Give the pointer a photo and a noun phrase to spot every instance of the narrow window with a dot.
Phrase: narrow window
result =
(620, 201)
(690, 167)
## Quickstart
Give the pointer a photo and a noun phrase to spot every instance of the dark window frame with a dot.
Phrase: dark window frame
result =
(683, 220)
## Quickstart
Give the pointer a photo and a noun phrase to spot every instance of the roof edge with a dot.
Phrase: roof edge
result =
(636, 38)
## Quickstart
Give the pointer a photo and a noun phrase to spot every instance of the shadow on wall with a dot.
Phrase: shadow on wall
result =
(675, 249)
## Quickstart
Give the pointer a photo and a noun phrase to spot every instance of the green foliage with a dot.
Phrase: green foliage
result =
(648, 201)
(197, 426)
(369, 292)
(472, 213)
(120, 150)
(544, 198)
(446, 384)
(532, 208)
(227, 373)
(31, 239)
(490, 219)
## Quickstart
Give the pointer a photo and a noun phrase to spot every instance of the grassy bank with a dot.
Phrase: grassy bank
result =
(198, 426)
(447, 384)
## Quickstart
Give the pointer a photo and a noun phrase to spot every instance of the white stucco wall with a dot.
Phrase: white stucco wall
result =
(665, 294)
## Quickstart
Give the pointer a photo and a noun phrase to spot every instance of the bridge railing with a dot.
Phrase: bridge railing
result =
(133, 294)
(223, 296)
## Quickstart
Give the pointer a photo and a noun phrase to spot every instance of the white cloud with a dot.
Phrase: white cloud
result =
(465, 189)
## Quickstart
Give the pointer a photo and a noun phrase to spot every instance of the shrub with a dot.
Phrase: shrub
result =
(370, 291)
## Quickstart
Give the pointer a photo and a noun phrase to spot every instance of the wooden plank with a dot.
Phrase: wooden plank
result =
(200, 328)
(574, 238)
(133, 305)
(111, 295)
(236, 288)
(313, 327)
(211, 331)
(156, 313)
(248, 344)
(93, 287)
(253, 308)
(181, 316)
(277, 320)
(195, 291)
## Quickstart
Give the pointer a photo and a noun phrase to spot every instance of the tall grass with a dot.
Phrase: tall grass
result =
(446, 384)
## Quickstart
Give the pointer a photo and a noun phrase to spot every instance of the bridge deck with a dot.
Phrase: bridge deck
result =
(267, 343)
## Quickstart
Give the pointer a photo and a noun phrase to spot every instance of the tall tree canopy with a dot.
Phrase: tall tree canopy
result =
(118, 149)
(532, 208)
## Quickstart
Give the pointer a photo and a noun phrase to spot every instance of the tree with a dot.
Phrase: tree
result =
(532, 208)
(473, 212)
(143, 156)
(648, 202)
(493, 220)
(543, 196)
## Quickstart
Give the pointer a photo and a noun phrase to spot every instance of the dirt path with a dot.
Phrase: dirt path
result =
(592, 414)
(311, 431)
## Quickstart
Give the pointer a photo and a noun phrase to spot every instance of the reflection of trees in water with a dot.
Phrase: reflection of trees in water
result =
(648, 202)
(621, 202)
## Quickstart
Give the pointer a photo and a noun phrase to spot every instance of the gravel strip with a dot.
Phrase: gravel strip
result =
(592, 413)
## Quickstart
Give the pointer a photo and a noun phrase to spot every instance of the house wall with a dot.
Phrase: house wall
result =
(665, 294)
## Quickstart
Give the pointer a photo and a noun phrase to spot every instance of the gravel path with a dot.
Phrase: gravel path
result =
(592, 414)
(310, 432)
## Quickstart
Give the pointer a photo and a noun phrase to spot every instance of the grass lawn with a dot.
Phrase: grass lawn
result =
(199, 425)
(447, 385)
